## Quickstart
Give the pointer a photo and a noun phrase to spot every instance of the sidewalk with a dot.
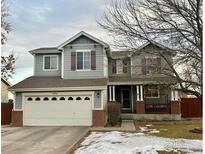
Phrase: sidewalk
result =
(127, 125)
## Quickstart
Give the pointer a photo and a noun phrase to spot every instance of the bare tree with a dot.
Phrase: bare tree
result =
(7, 62)
(7, 66)
(174, 23)
(5, 25)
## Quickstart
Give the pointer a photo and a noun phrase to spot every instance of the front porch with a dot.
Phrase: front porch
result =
(146, 101)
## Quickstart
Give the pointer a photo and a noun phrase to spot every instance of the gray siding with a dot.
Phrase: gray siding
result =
(18, 100)
(110, 66)
(136, 69)
(97, 99)
(83, 40)
(38, 68)
(98, 73)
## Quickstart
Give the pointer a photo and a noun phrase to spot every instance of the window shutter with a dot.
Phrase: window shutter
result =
(144, 69)
(159, 64)
(73, 61)
(93, 60)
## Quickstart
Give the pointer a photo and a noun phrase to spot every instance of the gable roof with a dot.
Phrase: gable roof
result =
(80, 34)
(155, 44)
(120, 54)
(6, 81)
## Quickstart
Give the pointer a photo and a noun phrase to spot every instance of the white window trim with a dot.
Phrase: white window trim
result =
(44, 62)
(152, 96)
(86, 50)
(62, 64)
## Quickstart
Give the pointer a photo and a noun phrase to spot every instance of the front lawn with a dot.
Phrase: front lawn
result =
(173, 129)
(115, 142)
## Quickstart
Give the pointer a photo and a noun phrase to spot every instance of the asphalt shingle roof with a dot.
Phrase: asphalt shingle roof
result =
(57, 81)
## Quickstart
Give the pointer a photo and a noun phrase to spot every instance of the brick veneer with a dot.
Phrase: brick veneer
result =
(99, 118)
(17, 118)
(140, 107)
(175, 107)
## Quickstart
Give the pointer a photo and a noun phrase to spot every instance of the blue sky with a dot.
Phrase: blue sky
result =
(46, 23)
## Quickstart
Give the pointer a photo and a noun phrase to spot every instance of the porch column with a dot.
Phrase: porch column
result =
(141, 93)
(110, 94)
(176, 95)
(138, 95)
(113, 93)
(172, 94)
(140, 105)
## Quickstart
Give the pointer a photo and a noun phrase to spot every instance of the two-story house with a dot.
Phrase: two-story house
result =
(73, 82)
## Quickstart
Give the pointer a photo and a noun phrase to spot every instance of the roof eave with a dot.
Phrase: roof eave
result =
(36, 51)
(80, 34)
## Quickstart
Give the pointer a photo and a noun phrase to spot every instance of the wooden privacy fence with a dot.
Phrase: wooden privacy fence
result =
(191, 107)
(6, 109)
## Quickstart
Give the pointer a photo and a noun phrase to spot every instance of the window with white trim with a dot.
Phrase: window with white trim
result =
(83, 60)
(151, 91)
(50, 62)
(151, 65)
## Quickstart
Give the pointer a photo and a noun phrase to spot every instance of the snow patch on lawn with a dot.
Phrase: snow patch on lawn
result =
(132, 143)
(148, 130)
(154, 131)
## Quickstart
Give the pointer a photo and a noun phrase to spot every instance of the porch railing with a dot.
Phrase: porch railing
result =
(154, 108)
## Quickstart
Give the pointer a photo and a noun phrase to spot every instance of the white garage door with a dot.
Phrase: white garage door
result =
(63, 110)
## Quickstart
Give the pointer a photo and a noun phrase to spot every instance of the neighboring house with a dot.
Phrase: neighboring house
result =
(5, 93)
(73, 83)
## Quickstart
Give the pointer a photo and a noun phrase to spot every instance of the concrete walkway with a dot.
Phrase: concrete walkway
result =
(126, 125)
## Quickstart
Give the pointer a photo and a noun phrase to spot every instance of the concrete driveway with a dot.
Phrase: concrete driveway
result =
(35, 140)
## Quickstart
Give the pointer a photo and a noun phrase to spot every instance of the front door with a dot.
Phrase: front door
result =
(125, 99)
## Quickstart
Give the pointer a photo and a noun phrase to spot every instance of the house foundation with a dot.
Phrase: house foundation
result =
(151, 117)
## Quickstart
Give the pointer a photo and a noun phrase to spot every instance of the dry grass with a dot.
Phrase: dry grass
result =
(176, 129)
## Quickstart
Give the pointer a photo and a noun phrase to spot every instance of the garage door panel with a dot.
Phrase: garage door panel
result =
(58, 112)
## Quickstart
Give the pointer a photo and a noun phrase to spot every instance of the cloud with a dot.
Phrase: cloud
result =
(45, 23)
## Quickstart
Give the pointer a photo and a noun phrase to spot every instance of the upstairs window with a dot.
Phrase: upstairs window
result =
(83, 59)
(125, 63)
(151, 92)
(50, 62)
(114, 68)
(151, 65)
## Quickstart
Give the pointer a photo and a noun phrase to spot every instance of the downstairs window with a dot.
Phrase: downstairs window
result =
(151, 91)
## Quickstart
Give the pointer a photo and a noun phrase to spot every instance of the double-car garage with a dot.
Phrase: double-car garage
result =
(57, 109)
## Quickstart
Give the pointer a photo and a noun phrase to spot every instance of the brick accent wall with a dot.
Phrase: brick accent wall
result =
(99, 118)
(17, 118)
(140, 107)
(175, 107)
